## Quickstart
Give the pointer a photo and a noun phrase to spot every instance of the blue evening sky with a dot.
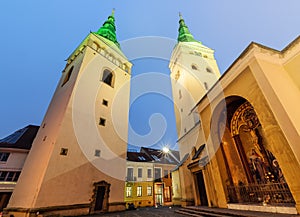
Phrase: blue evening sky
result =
(37, 36)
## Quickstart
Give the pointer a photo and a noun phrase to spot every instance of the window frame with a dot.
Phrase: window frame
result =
(139, 191)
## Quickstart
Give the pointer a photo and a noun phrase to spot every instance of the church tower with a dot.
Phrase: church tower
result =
(194, 71)
(77, 162)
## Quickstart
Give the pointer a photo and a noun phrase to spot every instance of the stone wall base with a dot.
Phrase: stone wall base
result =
(57, 211)
(187, 202)
(261, 208)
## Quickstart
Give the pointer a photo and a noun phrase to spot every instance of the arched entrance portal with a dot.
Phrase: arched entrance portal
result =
(252, 173)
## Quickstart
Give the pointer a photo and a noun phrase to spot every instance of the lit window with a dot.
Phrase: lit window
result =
(139, 191)
(129, 191)
(149, 190)
(67, 76)
(140, 172)
(4, 156)
(107, 77)
(102, 122)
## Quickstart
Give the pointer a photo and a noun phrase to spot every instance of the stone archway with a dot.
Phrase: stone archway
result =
(251, 171)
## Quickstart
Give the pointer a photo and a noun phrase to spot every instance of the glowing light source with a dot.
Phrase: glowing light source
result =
(165, 150)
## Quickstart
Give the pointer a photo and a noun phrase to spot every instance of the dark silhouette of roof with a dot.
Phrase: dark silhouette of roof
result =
(158, 156)
(138, 157)
(21, 139)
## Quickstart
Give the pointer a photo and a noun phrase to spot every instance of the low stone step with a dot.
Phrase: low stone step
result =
(188, 213)
(195, 212)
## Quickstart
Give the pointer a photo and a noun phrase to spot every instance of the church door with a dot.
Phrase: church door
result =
(201, 188)
(100, 198)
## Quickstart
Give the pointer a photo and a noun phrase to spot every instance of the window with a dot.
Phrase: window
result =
(205, 85)
(4, 156)
(67, 76)
(139, 191)
(140, 172)
(63, 151)
(10, 176)
(107, 77)
(149, 173)
(97, 153)
(208, 70)
(149, 190)
(3, 175)
(102, 122)
(194, 67)
(128, 191)
(141, 158)
(180, 94)
(16, 177)
(129, 174)
(157, 173)
(104, 102)
(198, 53)
(155, 157)
(166, 174)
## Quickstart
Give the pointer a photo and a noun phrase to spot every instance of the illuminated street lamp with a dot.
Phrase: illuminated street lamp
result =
(165, 150)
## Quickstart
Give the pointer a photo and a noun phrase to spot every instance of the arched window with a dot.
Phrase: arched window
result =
(67, 76)
(107, 77)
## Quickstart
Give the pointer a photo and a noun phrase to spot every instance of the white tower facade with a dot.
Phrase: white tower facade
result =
(194, 71)
(77, 163)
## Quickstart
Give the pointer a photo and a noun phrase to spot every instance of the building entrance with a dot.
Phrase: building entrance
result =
(201, 188)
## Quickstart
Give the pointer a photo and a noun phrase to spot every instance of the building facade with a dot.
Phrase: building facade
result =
(79, 158)
(13, 153)
(246, 155)
(149, 177)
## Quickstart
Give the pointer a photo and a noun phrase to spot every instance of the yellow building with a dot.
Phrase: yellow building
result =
(77, 162)
(148, 179)
(245, 152)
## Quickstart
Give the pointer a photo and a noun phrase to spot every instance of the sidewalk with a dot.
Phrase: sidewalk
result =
(144, 212)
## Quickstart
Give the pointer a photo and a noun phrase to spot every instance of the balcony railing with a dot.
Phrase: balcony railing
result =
(271, 193)
(130, 178)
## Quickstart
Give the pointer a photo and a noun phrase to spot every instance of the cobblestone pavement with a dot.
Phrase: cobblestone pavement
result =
(145, 212)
